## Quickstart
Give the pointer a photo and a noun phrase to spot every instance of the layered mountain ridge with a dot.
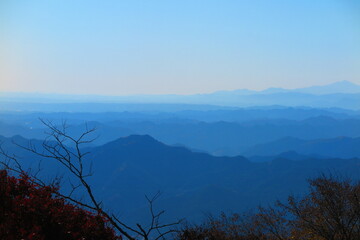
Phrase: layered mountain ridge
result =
(192, 183)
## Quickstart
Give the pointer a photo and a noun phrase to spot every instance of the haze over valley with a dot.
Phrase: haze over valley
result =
(203, 158)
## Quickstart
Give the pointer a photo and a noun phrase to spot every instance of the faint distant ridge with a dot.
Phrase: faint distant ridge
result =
(337, 87)
(339, 147)
(345, 87)
(343, 94)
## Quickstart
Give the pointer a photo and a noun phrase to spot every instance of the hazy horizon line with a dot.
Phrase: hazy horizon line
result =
(178, 94)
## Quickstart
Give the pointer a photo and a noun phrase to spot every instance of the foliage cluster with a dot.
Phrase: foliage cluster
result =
(31, 211)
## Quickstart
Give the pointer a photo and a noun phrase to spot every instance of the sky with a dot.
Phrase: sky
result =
(125, 47)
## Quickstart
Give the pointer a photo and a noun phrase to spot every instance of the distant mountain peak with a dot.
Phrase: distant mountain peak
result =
(344, 83)
(336, 87)
(137, 138)
(339, 84)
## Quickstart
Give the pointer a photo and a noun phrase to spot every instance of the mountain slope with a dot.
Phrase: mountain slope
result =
(194, 183)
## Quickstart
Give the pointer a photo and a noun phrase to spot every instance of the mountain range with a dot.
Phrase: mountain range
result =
(192, 183)
(215, 137)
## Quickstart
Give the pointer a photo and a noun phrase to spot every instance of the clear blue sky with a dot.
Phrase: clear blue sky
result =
(176, 46)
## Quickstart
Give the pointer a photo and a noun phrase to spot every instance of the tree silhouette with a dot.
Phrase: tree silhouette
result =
(330, 211)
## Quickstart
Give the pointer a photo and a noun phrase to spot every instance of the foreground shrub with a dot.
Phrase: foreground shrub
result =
(30, 211)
